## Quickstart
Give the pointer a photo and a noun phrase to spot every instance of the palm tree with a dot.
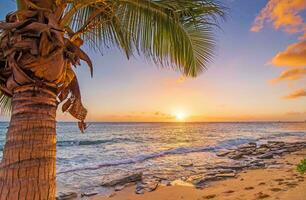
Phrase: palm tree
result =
(40, 43)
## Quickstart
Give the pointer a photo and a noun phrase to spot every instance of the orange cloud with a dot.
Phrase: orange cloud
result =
(283, 14)
(291, 75)
(294, 56)
(296, 94)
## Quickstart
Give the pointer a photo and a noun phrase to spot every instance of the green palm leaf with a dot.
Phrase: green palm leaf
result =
(177, 34)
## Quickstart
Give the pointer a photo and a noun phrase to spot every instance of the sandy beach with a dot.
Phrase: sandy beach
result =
(280, 180)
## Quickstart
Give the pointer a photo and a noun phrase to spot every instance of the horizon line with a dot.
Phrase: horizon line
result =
(258, 121)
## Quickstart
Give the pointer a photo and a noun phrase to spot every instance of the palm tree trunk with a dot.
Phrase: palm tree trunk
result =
(28, 168)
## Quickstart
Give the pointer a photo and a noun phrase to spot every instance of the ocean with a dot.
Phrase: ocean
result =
(109, 150)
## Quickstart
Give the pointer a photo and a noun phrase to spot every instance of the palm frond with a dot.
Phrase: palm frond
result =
(177, 34)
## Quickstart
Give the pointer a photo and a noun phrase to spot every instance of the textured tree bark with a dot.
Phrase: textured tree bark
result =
(28, 168)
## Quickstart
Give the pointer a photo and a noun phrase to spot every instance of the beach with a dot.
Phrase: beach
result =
(257, 171)
(278, 181)
(159, 151)
(145, 158)
(170, 160)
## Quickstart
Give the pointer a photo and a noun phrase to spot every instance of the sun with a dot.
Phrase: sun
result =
(180, 116)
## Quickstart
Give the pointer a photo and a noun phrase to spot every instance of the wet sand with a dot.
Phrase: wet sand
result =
(280, 181)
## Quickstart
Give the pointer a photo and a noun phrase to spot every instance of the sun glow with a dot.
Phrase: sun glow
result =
(180, 116)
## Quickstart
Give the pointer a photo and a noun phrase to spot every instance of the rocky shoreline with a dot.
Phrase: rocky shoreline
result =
(248, 156)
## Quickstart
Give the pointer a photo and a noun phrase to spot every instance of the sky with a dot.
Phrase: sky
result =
(258, 73)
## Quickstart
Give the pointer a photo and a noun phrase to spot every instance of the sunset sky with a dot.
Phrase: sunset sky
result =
(257, 74)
